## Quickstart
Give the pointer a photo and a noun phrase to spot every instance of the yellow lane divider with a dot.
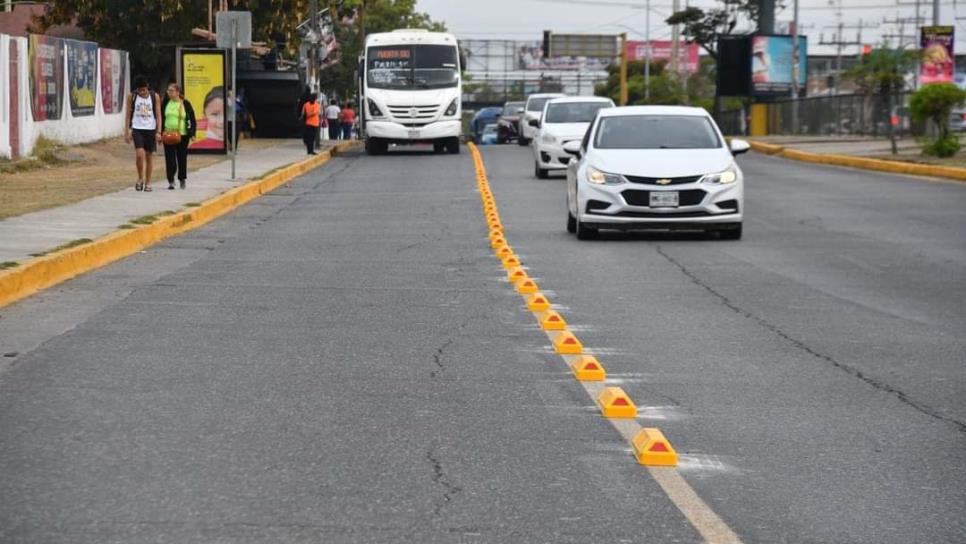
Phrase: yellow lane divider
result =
(651, 448)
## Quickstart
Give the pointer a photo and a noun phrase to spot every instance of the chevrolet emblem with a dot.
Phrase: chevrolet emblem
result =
(664, 181)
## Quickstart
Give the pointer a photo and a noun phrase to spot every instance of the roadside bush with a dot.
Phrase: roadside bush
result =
(935, 103)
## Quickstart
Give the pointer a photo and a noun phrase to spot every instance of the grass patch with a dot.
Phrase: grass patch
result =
(145, 220)
(192, 205)
(68, 245)
(44, 156)
(127, 226)
(165, 212)
(7, 265)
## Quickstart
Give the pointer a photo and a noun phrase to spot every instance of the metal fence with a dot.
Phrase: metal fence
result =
(839, 115)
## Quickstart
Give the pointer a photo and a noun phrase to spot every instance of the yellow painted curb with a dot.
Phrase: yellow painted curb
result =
(41, 273)
(865, 163)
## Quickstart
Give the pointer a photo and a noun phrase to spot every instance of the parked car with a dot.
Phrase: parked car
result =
(655, 167)
(957, 121)
(563, 120)
(489, 135)
(508, 126)
(533, 110)
(482, 118)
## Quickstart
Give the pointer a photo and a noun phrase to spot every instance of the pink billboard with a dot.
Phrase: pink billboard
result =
(661, 51)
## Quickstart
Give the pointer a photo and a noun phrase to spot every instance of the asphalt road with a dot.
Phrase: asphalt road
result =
(342, 362)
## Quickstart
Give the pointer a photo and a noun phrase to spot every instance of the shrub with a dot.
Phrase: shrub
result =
(935, 102)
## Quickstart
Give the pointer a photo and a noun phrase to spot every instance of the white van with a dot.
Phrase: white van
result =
(411, 89)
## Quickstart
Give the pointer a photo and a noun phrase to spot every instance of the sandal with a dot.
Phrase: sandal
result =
(147, 189)
(139, 186)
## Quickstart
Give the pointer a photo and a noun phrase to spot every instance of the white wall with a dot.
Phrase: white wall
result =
(68, 129)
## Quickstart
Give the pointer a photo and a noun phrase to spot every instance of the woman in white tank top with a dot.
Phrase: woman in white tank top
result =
(144, 128)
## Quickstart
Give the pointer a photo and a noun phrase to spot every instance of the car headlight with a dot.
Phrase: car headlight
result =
(597, 177)
(722, 178)
(548, 139)
(451, 110)
(374, 109)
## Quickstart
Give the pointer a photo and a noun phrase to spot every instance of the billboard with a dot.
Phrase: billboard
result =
(530, 57)
(938, 62)
(82, 77)
(771, 64)
(584, 45)
(203, 77)
(661, 50)
(46, 61)
(113, 80)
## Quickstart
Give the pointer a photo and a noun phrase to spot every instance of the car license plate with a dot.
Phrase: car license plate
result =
(664, 199)
(413, 134)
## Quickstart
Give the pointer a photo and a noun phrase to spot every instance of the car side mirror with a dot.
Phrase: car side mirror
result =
(739, 146)
(535, 123)
(572, 147)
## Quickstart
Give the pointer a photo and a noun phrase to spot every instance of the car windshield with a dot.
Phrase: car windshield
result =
(412, 67)
(574, 112)
(536, 104)
(656, 132)
(513, 108)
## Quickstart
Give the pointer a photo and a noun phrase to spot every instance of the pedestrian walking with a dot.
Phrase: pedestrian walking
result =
(332, 115)
(348, 120)
(311, 118)
(179, 129)
(144, 129)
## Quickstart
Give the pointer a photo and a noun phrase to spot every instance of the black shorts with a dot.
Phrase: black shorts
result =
(145, 139)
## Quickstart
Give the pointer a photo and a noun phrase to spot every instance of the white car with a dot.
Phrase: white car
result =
(563, 120)
(655, 167)
(533, 110)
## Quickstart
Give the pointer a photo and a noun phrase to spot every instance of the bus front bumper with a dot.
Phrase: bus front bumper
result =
(396, 132)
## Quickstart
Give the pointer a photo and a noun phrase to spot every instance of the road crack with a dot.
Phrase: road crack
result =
(802, 346)
(450, 490)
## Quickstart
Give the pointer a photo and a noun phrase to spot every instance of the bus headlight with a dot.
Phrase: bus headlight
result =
(451, 110)
(374, 109)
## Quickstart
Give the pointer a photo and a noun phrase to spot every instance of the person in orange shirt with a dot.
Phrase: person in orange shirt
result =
(312, 117)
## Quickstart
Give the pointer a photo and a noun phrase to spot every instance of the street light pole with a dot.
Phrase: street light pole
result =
(795, 69)
(647, 53)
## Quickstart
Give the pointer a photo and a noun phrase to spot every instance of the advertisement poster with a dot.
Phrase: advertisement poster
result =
(530, 57)
(113, 80)
(938, 62)
(46, 60)
(82, 76)
(203, 76)
(771, 64)
(688, 55)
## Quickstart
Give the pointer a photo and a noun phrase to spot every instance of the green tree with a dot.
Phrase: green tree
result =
(704, 26)
(150, 32)
(881, 74)
(935, 102)
(665, 87)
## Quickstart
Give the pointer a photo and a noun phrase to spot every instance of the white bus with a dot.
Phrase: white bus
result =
(410, 90)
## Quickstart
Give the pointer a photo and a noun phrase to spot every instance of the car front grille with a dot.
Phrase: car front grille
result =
(665, 215)
(414, 116)
(654, 181)
(636, 197)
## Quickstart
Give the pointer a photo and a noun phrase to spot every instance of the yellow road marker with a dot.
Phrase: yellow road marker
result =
(615, 404)
(510, 262)
(587, 368)
(567, 344)
(516, 273)
(652, 449)
(551, 321)
(537, 302)
(526, 286)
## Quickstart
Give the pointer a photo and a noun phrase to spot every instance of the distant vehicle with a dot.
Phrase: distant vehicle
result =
(563, 120)
(509, 125)
(655, 167)
(533, 110)
(957, 121)
(490, 134)
(482, 118)
(411, 88)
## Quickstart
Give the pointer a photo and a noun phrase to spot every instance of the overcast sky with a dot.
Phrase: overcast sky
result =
(526, 19)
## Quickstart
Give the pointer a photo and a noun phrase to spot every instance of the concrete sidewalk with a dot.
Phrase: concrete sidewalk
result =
(41, 231)
(858, 146)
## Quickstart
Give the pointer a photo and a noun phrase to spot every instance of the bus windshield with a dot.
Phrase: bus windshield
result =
(408, 67)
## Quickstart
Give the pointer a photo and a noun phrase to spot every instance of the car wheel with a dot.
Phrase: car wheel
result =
(733, 233)
(583, 232)
(571, 223)
(374, 146)
(541, 173)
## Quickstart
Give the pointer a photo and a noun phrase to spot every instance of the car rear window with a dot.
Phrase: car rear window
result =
(656, 132)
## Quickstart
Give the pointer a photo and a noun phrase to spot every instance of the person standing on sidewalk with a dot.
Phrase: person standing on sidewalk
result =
(179, 130)
(332, 115)
(348, 120)
(311, 118)
(144, 128)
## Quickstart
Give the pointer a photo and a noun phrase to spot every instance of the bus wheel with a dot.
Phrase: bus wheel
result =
(453, 146)
(439, 146)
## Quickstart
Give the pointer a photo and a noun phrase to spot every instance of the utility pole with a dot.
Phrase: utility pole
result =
(795, 74)
(314, 50)
(684, 80)
(840, 43)
(623, 97)
(766, 16)
(647, 53)
(935, 12)
(675, 37)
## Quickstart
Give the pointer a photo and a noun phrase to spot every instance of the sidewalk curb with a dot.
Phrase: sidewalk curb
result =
(41, 273)
(894, 167)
